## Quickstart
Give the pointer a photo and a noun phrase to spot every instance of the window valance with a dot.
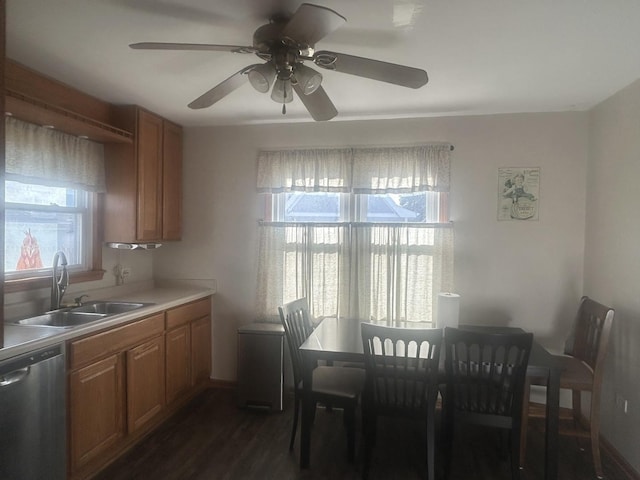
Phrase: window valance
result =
(356, 170)
(45, 156)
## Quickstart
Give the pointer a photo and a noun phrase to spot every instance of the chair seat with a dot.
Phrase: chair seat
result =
(576, 374)
(345, 382)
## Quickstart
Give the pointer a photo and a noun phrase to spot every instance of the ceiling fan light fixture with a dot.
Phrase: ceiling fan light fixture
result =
(261, 77)
(308, 79)
(282, 91)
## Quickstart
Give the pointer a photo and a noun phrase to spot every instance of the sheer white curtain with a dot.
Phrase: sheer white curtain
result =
(360, 270)
(45, 156)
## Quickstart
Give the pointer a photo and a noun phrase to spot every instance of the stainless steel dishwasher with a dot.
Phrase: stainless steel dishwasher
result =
(32, 416)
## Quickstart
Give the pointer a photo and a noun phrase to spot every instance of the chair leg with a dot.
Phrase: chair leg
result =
(350, 424)
(447, 435)
(524, 424)
(369, 433)
(594, 427)
(296, 408)
(431, 456)
(516, 448)
(576, 406)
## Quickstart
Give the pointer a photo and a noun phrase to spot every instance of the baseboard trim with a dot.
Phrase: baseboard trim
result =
(225, 384)
(620, 461)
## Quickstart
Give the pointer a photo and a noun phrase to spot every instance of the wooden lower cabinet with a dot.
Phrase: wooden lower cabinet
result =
(200, 350)
(97, 403)
(145, 383)
(178, 343)
(126, 380)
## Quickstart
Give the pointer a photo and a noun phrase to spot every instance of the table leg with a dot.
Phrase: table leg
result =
(307, 414)
(552, 421)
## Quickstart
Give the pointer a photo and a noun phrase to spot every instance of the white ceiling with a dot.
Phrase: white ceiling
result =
(489, 56)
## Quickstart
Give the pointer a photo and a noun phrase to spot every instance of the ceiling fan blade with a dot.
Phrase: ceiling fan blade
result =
(373, 69)
(311, 23)
(222, 89)
(317, 103)
(191, 46)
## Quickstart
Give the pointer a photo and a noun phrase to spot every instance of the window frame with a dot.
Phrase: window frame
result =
(94, 269)
(353, 209)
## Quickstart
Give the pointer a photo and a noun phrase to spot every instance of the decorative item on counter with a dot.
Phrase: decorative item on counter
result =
(448, 310)
(120, 272)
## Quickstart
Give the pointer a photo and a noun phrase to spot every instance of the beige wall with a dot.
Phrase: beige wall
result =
(527, 274)
(612, 257)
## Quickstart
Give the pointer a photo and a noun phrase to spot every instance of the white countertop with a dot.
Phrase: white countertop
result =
(20, 339)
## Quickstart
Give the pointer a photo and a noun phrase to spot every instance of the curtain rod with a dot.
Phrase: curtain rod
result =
(265, 223)
(289, 148)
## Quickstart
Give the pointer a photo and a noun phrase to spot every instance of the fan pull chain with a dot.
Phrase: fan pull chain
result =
(284, 105)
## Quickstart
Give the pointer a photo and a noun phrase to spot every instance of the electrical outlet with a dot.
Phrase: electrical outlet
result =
(622, 403)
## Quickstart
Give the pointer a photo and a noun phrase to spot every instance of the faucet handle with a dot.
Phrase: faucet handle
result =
(78, 300)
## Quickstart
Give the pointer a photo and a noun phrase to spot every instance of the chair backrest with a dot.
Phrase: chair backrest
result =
(486, 374)
(591, 336)
(297, 328)
(402, 369)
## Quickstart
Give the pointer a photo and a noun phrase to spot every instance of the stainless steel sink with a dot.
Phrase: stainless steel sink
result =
(89, 312)
(108, 307)
(62, 319)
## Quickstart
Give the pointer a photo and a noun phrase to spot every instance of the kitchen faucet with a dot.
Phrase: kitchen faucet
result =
(59, 282)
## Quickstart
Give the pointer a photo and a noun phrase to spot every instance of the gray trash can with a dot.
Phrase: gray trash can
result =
(261, 365)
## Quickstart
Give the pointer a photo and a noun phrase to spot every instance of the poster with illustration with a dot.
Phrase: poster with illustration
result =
(518, 193)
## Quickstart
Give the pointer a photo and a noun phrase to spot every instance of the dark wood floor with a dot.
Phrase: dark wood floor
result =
(212, 439)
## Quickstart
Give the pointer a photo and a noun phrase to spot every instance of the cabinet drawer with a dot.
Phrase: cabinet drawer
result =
(117, 339)
(187, 313)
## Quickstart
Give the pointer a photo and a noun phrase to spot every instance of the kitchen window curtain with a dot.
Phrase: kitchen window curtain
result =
(44, 156)
(371, 271)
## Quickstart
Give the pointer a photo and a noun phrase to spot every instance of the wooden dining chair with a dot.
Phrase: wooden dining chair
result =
(485, 377)
(401, 381)
(339, 387)
(583, 369)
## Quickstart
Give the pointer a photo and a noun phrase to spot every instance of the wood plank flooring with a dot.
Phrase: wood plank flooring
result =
(212, 439)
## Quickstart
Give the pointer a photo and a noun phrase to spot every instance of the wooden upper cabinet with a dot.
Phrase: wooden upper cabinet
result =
(143, 202)
(172, 181)
(150, 182)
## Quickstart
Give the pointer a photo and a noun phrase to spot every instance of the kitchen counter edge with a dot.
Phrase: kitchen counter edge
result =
(24, 339)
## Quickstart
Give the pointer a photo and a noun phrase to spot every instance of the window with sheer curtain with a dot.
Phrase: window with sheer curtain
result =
(51, 178)
(361, 232)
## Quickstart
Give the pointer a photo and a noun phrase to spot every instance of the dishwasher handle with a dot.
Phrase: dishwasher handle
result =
(14, 377)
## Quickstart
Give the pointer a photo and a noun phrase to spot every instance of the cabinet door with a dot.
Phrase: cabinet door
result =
(178, 344)
(200, 350)
(171, 182)
(145, 382)
(149, 143)
(96, 409)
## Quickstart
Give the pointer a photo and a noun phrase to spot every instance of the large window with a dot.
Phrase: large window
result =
(41, 220)
(362, 239)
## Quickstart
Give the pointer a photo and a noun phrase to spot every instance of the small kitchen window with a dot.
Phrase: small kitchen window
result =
(52, 186)
(41, 220)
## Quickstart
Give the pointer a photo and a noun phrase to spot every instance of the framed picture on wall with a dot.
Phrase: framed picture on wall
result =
(518, 193)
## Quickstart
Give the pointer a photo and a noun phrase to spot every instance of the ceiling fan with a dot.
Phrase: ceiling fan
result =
(285, 44)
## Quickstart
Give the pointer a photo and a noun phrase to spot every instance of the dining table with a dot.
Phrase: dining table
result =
(340, 340)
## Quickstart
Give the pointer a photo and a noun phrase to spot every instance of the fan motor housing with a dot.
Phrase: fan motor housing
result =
(267, 36)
